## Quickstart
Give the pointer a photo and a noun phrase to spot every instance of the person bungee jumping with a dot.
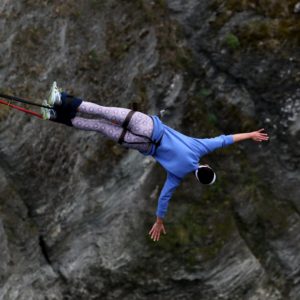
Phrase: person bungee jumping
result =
(177, 153)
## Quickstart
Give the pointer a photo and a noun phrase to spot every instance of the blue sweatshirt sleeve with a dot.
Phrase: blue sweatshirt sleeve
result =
(169, 187)
(217, 142)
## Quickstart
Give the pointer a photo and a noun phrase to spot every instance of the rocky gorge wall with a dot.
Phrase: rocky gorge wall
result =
(75, 209)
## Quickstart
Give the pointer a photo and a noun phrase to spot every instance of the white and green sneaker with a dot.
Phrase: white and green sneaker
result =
(47, 113)
(54, 95)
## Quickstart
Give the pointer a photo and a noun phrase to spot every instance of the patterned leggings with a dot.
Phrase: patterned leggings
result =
(110, 124)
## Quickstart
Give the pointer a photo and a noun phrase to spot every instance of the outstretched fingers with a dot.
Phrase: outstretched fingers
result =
(155, 235)
(156, 231)
(152, 231)
(264, 136)
(260, 136)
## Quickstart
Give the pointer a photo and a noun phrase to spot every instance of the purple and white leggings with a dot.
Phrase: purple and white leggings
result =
(110, 124)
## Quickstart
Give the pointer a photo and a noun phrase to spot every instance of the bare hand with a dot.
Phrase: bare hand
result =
(259, 136)
(156, 230)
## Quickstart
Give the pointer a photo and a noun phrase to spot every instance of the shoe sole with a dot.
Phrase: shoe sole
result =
(51, 97)
(45, 111)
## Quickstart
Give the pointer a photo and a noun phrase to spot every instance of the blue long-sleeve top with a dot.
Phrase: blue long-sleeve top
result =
(179, 155)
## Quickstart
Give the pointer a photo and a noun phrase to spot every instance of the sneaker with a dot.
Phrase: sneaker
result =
(54, 97)
(48, 113)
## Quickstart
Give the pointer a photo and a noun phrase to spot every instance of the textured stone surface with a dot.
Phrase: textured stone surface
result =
(75, 209)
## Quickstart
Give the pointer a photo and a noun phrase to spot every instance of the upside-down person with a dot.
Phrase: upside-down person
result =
(177, 153)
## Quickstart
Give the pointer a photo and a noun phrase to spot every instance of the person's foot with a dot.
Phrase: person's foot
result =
(48, 113)
(54, 97)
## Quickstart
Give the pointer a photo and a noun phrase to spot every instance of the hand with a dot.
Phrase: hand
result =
(156, 230)
(259, 136)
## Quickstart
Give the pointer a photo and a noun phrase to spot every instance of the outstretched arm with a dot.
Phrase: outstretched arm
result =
(221, 141)
(170, 185)
(257, 136)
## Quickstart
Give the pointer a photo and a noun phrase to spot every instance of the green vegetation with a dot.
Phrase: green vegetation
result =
(212, 119)
(205, 92)
(270, 34)
(232, 41)
(277, 28)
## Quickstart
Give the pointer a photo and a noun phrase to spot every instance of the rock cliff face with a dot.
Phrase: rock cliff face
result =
(75, 209)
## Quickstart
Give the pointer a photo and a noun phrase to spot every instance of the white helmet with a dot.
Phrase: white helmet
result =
(205, 174)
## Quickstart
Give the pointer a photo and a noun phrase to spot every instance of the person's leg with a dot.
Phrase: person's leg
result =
(113, 114)
(113, 132)
(140, 123)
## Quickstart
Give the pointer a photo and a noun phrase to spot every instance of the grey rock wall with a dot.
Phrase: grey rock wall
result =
(75, 209)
